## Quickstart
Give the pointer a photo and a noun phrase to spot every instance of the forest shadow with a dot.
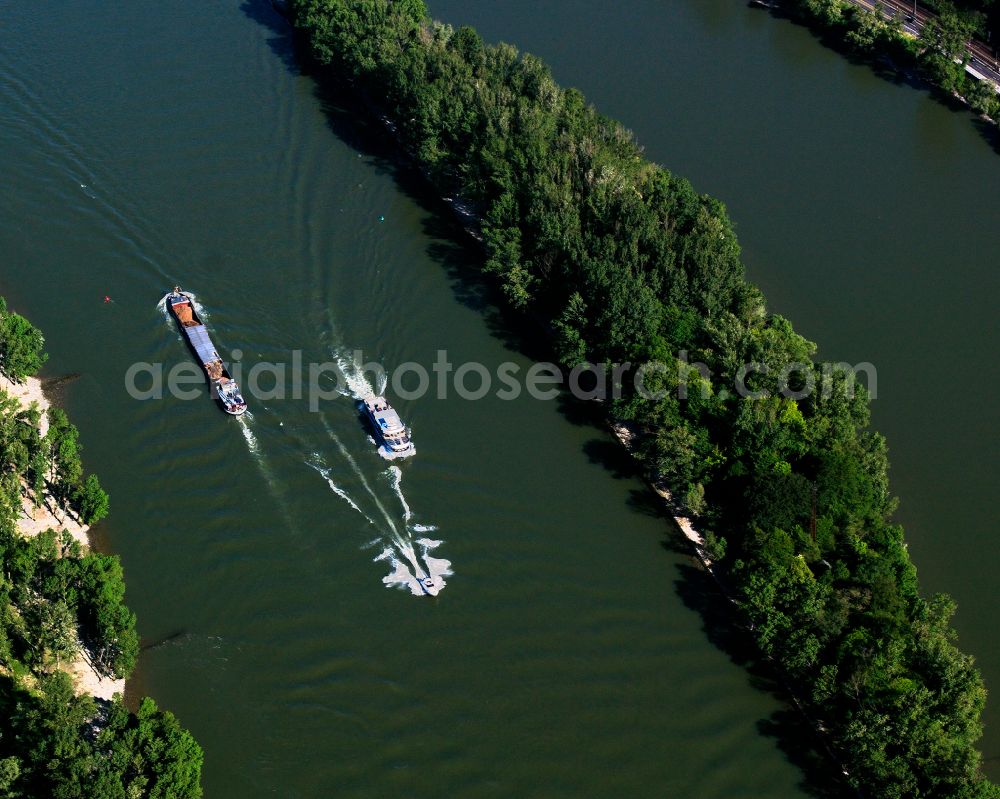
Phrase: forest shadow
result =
(355, 124)
(610, 454)
(282, 44)
(724, 626)
(990, 131)
(884, 67)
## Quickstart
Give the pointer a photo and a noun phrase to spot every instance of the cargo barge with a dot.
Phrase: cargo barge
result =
(224, 388)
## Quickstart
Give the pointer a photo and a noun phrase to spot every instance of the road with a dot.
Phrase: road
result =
(983, 62)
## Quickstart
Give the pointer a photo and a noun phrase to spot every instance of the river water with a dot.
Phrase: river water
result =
(567, 655)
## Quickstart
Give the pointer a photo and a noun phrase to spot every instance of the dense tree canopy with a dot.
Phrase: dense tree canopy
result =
(21, 344)
(56, 752)
(626, 261)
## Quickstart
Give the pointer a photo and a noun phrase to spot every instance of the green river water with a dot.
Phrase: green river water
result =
(574, 650)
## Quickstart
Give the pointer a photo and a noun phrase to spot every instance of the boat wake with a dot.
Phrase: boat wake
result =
(256, 452)
(354, 382)
(396, 480)
(360, 475)
(252, 443)
(411, 565)
(437, 568)
(424, 528)
(388, 455)
(406, 575)
(428, 574)
(324, 472)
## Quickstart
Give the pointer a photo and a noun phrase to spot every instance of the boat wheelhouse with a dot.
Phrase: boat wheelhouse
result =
(392, 437)
(222, 383)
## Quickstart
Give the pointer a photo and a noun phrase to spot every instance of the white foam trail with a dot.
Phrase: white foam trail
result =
(252, 443)
(358, 386)
(419, 573)
(416, 580)
(360, 475)
(255, 451)
(396, 479)
(400, 576)
(407, 551)
(429, 543)
(437, 568)
(254, 446)
(346, 497)
(428, 575)
(336, 489)
(430, 572)
(355, 380)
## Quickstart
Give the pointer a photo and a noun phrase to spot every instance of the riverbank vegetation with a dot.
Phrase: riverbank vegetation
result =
(939, 53)
(625, 261)
(60, 602)
(21, 345)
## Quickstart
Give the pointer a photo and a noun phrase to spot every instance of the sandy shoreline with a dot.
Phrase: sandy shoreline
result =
(624, 435)
(36, 520)
(27, 392)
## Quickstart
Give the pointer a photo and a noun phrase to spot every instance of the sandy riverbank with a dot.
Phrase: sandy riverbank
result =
(36, 520)
(27, 392)
(623, 434)
(87, 681)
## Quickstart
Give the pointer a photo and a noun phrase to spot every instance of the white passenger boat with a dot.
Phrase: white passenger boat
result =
(391, 435)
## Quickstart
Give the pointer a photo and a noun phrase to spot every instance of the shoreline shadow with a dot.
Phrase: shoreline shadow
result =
(883, 66)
